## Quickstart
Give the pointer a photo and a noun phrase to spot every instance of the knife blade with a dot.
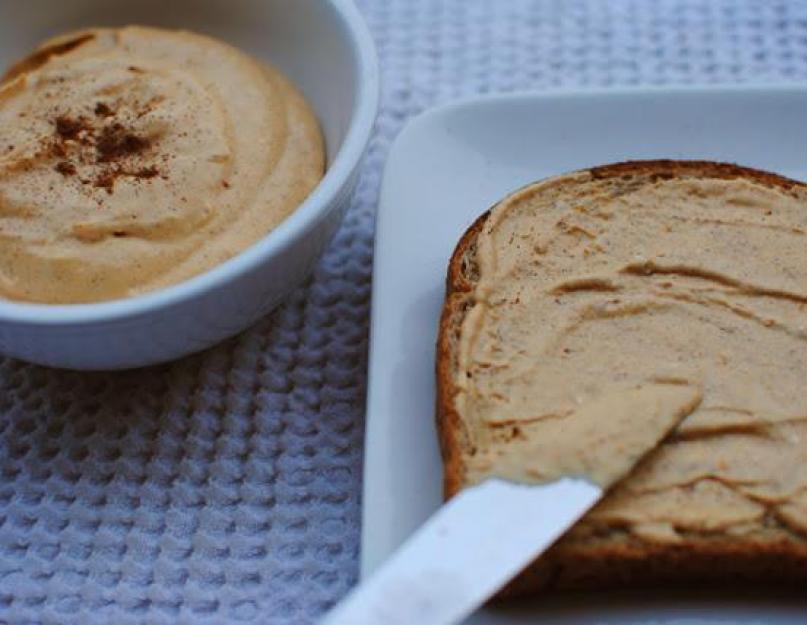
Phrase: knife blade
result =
(466, 552)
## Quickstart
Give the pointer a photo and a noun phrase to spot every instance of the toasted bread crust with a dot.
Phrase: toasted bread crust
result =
(703, 169)
(459, 287)
(623, 560)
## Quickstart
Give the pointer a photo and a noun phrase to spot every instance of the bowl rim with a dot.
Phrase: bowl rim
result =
(362, 122)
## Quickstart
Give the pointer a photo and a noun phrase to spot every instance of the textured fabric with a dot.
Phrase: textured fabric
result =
(226, 488)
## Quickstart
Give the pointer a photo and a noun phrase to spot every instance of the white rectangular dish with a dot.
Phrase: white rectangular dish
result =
(446, 168)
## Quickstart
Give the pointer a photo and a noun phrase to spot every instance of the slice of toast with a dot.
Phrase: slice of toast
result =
(754, 454)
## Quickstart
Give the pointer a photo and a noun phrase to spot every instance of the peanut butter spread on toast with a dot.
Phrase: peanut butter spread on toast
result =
(135, 158)
(608, 307)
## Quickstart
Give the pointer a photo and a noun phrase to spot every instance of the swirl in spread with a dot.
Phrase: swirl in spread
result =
(133, 159)
(606, 305)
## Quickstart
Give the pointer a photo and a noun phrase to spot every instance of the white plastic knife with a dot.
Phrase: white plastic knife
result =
(465, 552)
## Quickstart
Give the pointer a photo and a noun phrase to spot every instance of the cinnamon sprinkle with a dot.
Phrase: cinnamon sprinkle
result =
(116, 142)
(69, 128)
(147, 173)
(111, 146)
(66, 168)
(103, 110)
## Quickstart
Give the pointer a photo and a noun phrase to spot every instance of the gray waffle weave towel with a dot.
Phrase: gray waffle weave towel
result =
(225, 488)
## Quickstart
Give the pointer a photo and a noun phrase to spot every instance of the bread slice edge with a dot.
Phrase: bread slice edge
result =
(620, 563)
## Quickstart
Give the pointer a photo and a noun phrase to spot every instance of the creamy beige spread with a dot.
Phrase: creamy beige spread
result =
(606, 306)
(135, 158)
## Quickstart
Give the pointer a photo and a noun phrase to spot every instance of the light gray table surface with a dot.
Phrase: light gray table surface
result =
(225, 488)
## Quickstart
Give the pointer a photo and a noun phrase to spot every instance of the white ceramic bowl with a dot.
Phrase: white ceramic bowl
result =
(326, 49)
